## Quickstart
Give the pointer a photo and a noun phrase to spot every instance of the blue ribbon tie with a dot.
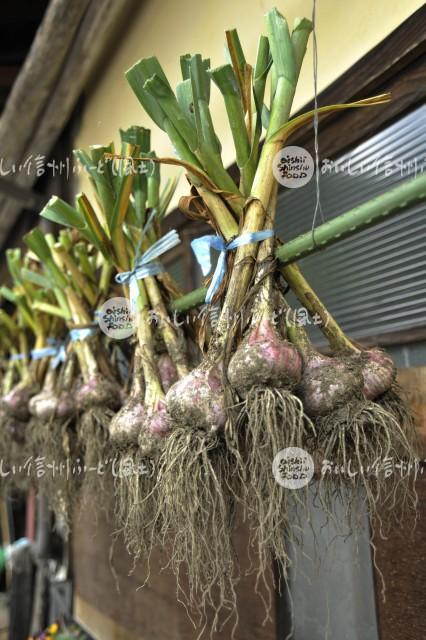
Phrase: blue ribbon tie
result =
(61, 356)
(56, 351)
(82, 333)
(17, 356)
(147, 265)
(202, 249)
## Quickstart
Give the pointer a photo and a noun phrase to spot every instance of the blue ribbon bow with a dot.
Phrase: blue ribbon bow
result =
(147, 265)
(202, 248)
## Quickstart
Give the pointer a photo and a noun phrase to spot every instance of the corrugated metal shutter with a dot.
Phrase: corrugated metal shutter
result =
(374, 282)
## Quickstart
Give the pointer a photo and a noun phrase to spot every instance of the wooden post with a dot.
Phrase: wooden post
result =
(37, 78)
(77, 64)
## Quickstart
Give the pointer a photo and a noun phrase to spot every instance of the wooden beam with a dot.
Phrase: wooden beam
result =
(395, 64)
(342, 131)
(25, 197)
(400, 560)
(101, 20)
(390, 56)
(38, 76)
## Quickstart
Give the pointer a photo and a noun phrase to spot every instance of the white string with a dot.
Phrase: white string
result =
(145, 230)
(318, 208)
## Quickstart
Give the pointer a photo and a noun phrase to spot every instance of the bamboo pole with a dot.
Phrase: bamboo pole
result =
(347, 224)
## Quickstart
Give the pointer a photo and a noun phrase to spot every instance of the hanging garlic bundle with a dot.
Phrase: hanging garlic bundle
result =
(190, 436)
(125, 229)
(64, 280)
(28, 329)
(204, 435)
(17, 381)
(358, 429)
(97, 393)
(15, 402)
(50, 432)
(138, 431)
(199, 505)
(265, 370)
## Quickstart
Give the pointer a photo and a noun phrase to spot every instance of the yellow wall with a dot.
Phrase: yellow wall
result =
(346, 30)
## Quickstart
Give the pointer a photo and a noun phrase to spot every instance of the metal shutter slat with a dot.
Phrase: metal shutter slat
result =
(374, 282)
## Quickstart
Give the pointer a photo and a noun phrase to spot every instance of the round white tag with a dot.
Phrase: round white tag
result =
(115, 318)
(293, 167)
(293, 468)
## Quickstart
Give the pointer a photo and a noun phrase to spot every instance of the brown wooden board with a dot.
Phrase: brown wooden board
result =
(402, 556)
(152, 613)
(413, 381)
(402, 560)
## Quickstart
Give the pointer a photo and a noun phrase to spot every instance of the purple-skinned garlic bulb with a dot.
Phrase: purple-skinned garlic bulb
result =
(156, 427)
(167, 371)
(125, 426)
(327, 382)
(264, 358)
(15, 403)
(379, 373)
(197, 400)
(98, 391)
(46, 405)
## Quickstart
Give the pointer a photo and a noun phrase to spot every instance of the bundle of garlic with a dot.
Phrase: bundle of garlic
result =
(260, 389)
(188, 419)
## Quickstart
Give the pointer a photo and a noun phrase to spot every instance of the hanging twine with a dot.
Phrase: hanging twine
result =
(318, 208)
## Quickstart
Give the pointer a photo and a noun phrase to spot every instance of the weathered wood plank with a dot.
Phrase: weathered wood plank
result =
(98, 624)
(413, 381)
(99, 23)
(25, 197)
(37, 78)
(153, 612)
(401, 557)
